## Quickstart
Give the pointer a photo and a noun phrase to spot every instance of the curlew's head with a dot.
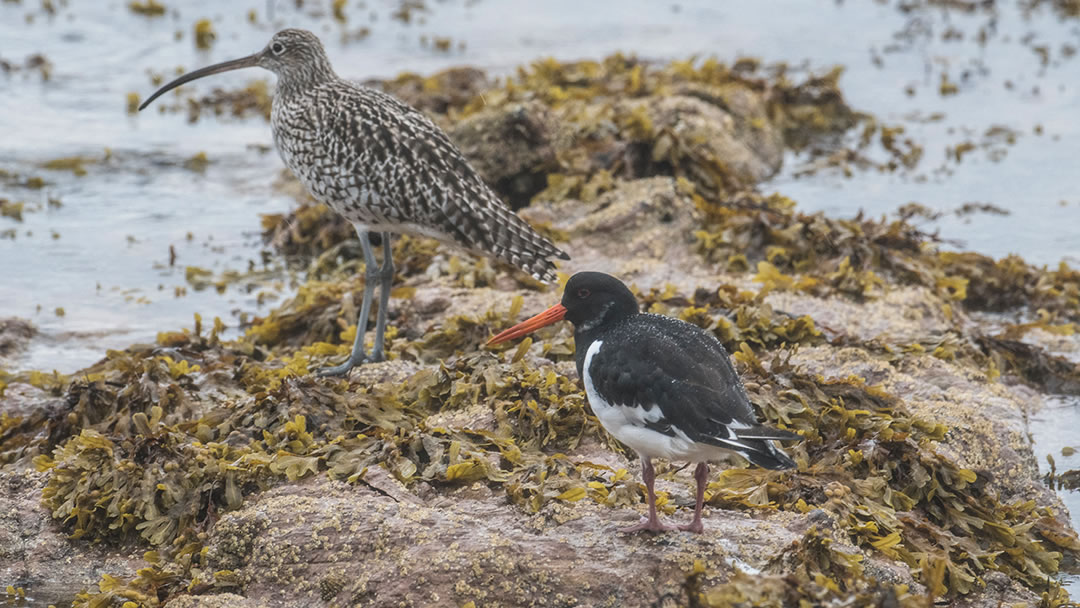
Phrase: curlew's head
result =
(296, 56)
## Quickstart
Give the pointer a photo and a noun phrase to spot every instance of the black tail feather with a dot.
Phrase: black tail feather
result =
(770, 457)
(757, 445)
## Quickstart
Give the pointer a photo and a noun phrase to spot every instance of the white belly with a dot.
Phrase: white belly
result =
(627, 424)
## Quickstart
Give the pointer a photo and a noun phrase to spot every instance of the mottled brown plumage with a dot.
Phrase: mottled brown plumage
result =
(385, 167)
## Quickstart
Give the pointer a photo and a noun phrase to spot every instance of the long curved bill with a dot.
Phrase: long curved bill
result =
(549, 316)
(244, 62)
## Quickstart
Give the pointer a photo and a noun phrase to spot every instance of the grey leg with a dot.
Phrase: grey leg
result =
(386, 281)
(370, 275)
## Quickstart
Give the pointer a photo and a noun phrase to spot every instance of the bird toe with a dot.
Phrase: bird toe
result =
(341, 370)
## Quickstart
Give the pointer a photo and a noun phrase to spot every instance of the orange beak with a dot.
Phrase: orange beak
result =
(549, 316)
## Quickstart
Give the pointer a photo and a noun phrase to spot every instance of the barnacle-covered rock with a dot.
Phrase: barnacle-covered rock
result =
(218, 600)
(901, 315)
(451, 468)
(465, 548)
(36, 554)
(749, 110)
(639, 226)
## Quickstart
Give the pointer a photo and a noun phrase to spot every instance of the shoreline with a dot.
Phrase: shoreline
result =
(211, 469)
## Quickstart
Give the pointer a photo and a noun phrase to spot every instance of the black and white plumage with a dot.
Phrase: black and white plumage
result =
(665, 388)
(385, 167)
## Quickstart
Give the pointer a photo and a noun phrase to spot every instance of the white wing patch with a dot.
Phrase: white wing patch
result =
(738, 425)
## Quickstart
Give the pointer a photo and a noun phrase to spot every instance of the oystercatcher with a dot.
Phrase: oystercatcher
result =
(665, 388)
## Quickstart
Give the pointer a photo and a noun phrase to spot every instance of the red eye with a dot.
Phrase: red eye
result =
(583, 293)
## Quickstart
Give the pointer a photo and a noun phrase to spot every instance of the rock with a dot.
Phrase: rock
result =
(752, 125)
(1000, 591)
(511, 148)
(986, 419)
(1065, 345)
(707, 145)
(35, 554)
(439, 92)
(24, 400)
(903, 315)
(642, 231)
(331, 542)
(15, 333)
(220, 600)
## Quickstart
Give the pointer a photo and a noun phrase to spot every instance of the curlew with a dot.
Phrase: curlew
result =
(385, 167)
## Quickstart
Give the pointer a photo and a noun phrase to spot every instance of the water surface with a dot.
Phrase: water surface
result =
(107, 266)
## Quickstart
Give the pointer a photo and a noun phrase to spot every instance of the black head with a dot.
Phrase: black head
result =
(592, 299)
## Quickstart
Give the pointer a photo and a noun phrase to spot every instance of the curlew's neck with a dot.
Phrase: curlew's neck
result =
(299, 79)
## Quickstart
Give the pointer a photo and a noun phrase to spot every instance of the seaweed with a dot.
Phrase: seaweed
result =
(150, 8)
(12, 209)
(892, 488)
(204, 34)
(860, 258)
(134, 455)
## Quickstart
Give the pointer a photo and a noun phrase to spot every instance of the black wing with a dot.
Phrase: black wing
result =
(652, 361)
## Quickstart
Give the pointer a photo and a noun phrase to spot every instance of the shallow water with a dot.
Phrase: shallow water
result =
(1046, 427)
(108, 265)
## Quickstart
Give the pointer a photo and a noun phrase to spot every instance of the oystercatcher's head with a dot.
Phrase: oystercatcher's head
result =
(590, 300)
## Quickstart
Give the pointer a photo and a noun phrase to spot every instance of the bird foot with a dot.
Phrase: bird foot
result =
(349, 364)
(650, 525)
(341, 370)
(695, 526)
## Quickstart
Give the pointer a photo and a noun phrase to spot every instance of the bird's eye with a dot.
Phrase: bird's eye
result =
(583, 293)
(277, 48)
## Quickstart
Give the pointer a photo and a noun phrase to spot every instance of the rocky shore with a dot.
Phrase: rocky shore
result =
(199, 471)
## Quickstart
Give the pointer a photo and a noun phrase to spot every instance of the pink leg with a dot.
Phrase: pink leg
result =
(701, 475)
(652, 522)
